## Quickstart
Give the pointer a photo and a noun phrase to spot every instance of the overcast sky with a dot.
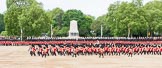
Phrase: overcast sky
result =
(92, 7)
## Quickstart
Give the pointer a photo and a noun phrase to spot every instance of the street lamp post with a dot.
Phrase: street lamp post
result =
(101, 30)
(21, 34)
(51, 31)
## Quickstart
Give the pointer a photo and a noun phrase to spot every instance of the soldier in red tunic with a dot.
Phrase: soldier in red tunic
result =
(97, 50)
(89, 51)
(130, 52)
(140, 51)
(114, 50)
(150, 49)
(85, 51)
(74, 51)
(101, 51)
(54, 50)
(59, 50)
(160, 50)
(62, 51)
(40, 49)
(69, 50)
(147, 50)
(32, 50)
(94, 50)
(106, 50)
(44, 52)
(135, 50)
(47, 51)
(110, 51)
(144, 50)
(123, 49)
(155, 50)
(126, 50)
(77, 51)
(118, 51)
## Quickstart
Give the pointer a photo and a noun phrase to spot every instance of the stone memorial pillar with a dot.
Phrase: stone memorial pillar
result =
(73, 32)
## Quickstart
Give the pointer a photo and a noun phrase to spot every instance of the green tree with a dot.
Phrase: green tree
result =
(34, 21)
(96, 26)
(27, 15)
(11, 20)
(154, 17)
(14, 9)
(2, 26)
(56, 17)
(127, 19)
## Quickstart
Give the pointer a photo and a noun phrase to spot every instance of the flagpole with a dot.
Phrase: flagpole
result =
(21, 34)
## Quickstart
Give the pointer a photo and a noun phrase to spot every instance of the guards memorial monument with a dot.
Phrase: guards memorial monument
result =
(73, 32)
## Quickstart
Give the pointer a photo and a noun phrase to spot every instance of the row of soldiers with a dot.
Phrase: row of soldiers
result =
(94, 49)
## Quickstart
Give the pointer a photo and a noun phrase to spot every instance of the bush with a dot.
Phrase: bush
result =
(3, 33)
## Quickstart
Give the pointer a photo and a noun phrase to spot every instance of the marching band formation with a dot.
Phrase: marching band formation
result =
(83, 47)
(101, 50)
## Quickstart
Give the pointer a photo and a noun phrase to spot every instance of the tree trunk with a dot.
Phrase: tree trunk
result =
(128, 32)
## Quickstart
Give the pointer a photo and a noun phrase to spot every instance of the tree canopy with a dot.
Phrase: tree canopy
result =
(2, 25)
(27, 15)
(134, 19)
(124, 19)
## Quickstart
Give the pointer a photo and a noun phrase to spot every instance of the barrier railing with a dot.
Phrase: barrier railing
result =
(76, 42)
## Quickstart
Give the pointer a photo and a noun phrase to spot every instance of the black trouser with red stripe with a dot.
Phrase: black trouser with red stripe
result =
(53, 53)
(118, 53)
(61, 53)
(101, 54)
(74, 55)
(89, 53)
(43, 55)
(39, 53)
(130, 54)
(160, 52)
(32, 53)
